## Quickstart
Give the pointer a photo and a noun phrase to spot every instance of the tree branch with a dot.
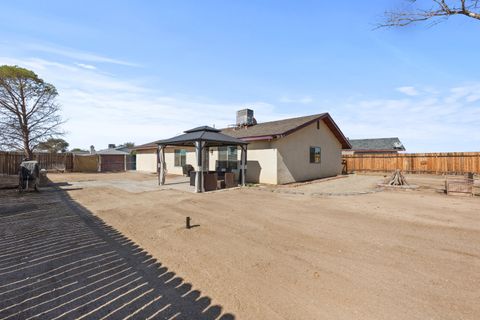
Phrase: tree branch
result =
(440, 9)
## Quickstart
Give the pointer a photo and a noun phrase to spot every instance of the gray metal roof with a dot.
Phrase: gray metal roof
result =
(209, 135)
(380, 144)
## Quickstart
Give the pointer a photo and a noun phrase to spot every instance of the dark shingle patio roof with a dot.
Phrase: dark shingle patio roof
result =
(379, 144)
(209, 135)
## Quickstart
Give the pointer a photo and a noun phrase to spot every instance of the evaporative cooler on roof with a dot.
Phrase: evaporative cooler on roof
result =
(245, 117)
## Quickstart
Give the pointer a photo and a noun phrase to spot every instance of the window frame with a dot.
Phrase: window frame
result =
(182, 153)
(229, 156)
(312, 153)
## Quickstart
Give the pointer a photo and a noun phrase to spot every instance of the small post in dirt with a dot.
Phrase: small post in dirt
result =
(188, 223)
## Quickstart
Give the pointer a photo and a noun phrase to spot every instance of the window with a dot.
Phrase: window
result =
(315, 154)
(180, 157)
(227, 157)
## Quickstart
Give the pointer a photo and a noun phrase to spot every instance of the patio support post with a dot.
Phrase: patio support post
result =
(243, 163)
(161, 177)
(199, 172)
(158, 164)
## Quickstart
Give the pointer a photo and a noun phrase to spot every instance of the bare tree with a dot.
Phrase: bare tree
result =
(436, 11)
(29, 113)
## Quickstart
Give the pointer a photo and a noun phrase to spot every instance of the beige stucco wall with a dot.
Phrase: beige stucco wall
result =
(213, 157)
(146, 160)
(170, 159)
(261, 163)
(293, 154)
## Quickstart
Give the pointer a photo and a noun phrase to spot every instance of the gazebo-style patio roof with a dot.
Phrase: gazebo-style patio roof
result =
(200, 138)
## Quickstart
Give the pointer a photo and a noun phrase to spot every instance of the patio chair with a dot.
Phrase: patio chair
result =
(210, 181)
(186, 169)
(230, 180)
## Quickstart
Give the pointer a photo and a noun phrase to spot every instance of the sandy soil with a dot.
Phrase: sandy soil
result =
(269, 255)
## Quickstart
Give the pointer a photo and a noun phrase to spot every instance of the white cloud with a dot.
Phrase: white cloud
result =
(86, 66)
(102, 108)
(409, 91)
(444, 120)
(302, 100)
(74, 54)
(468, 93)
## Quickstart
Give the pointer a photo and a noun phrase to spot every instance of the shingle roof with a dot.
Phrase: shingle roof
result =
(380, 144)
(275, 129)
(280, 128)
(271, 128)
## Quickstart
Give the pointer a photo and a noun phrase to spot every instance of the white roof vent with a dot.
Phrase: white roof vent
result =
(398, 145)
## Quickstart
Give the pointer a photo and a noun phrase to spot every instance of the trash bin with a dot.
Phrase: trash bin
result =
(28, 175)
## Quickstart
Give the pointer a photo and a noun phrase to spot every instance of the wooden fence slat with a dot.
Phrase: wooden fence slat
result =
(437, 163)
(10, 161)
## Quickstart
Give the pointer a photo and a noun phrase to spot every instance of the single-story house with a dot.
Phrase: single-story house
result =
(377, 145)
(279, 152)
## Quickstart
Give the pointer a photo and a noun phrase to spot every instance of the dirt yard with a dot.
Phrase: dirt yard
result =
(263, 254)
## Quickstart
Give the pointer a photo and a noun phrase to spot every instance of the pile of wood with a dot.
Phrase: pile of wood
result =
(397, 179)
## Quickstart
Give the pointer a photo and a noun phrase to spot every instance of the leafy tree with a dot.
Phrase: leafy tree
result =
(129, 145)
(431, 10)
(29, 113)
(53, 145)
(78, 150)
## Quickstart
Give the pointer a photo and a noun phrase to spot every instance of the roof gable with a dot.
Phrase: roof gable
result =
(281, 128)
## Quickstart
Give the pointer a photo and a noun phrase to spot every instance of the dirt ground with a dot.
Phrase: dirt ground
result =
(57, 261)
(275, 255)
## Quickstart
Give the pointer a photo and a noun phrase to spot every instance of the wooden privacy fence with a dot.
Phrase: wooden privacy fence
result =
(86, 163)
(438, 163)
(10, 161)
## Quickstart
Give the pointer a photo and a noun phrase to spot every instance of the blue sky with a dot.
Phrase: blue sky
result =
(144, 70)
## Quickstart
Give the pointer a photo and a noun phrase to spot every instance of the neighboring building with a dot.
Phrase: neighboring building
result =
(80, 152)
(279, 152)
(379, 145)
(115, 158)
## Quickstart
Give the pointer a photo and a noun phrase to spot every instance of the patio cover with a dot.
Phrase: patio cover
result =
(211, 136)
(201, 138)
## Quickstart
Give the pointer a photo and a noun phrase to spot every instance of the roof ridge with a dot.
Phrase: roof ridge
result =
(295, 118)
(281, 120)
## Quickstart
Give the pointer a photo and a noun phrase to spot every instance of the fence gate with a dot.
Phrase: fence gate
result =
(131, 162)
(112, 162)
